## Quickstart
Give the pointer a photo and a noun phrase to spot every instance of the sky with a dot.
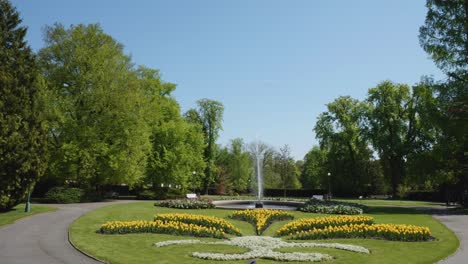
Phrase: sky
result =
(273, 64)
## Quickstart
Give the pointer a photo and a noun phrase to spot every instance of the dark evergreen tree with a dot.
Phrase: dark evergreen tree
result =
(23, 135)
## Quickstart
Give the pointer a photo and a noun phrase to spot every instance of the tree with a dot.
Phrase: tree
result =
(99, 132)
(209, 115)
(445, 36)
(314, 169)
(397, 127)
(23, 133)
(339, 131)
(177, 146)
(286, 169)
(240, 166)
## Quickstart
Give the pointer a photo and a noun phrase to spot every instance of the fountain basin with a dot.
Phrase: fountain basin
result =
(252, 204)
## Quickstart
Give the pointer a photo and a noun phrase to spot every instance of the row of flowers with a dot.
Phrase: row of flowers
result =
(331, 209)
(186, 204)
(382, 231)
(161, 227)
(202, 220)
(306, 224)
(261, 218)
(266, 248)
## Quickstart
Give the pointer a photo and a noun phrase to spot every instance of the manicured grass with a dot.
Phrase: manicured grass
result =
(379, 202)
(18, 212)
(138, 248)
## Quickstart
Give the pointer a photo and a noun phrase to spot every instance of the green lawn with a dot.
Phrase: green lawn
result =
(138, 248)
(18, 212)
(379, 202)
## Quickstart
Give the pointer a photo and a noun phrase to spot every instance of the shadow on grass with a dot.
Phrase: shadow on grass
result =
(417, 210)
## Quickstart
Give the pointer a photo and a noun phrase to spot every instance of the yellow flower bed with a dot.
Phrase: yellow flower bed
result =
(208, 221)
(261, 218)
(384, 231)
(321, 222)
(161, 227)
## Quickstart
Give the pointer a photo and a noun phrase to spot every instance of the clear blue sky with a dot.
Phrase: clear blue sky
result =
(273, 64)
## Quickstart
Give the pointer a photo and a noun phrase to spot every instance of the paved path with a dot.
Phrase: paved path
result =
(459, 225)
(43, 238)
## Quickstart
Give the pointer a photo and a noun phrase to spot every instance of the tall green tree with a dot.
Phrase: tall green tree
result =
(444, 36)
(209, 114)
(240, 165)
(99, 132)
(315, 169)
(177, 146)
(339, 131)
(286, 170)
(397, 127)
(23, 133)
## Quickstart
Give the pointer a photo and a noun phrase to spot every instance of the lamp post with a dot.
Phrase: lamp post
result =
(193, 180)
(27, 208)
(329, 186)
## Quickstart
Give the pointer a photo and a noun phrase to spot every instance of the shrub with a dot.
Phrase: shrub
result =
(146, 195)
(261, 218)
(331, 209)
(186, 204)
(65, 195)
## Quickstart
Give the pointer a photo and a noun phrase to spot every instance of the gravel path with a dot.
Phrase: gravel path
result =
(43, 238)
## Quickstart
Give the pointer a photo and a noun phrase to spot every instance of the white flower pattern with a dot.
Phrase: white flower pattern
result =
(263, 246)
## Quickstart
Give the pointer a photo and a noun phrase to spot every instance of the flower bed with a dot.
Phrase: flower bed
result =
(207, 221)
(263, 247)
(332, 207)
(384, 231)
(322, 222)
(261, 218)
(186, 204)
(160, 227)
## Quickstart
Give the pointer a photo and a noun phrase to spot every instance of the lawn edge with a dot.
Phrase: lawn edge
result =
(52, 209)
(78, 249)
(458, 240)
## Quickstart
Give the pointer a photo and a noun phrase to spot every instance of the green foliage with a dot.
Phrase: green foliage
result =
(186, 204)
(177, 145)
(314, 170)
(332, 209)
(209, 117)
(65, 195)
(23, 132)
(348, 157)
(99, 134)
(444, 34)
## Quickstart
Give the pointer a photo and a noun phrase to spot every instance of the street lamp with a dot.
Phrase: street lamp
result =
(193, 180)
(329, 186)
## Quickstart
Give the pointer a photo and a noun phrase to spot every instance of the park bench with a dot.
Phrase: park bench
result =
(191, 196)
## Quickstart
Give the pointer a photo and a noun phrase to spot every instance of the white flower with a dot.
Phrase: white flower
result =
(262, 247)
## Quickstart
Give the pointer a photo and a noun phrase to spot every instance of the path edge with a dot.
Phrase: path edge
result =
(79, 250)
(456, 235)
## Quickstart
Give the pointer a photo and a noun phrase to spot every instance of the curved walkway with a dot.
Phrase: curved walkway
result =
(43, 238)
(459, 225)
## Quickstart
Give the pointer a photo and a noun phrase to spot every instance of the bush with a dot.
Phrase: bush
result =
(331, 209)
(186, 204)
(65, 195)
(146, 195)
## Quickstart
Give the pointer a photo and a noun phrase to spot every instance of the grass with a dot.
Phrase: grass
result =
(396, 203)
(18, 212)
(137, 248)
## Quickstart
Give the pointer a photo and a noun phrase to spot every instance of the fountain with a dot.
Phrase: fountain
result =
(258, 152)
